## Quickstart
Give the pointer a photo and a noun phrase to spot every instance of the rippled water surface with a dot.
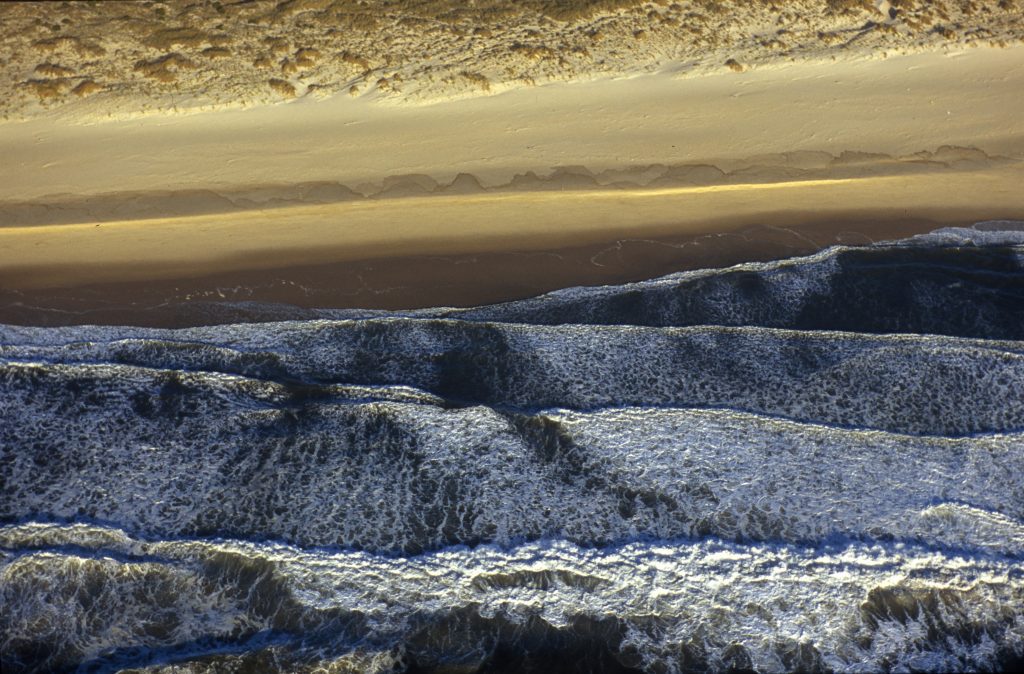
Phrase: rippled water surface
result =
(809, 464)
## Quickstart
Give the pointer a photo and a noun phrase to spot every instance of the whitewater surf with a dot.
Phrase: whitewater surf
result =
(808, 464)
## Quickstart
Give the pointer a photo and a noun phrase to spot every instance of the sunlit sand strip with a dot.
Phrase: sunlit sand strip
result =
(896, 106)
(160, 248)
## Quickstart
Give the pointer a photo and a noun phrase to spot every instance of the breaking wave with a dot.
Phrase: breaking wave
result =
(809, 464)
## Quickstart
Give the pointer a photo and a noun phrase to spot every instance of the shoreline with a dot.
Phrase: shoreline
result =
(932, 139)
(445, 280)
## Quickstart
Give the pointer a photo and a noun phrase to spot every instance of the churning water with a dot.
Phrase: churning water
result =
(815, 463)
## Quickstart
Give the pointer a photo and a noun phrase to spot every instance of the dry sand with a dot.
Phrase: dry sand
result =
(127, 59)
(907, 123)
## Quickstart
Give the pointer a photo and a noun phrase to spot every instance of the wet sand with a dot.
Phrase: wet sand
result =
(63, 255)
(412, 282)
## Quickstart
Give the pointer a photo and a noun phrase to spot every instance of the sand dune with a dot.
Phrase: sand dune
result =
(132, 59)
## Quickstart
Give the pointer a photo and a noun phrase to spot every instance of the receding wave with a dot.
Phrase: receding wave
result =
(811, 464)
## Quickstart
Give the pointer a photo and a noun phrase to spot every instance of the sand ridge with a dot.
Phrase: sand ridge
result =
(773, 171)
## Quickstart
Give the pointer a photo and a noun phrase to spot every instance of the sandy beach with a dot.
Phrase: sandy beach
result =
(123, 186)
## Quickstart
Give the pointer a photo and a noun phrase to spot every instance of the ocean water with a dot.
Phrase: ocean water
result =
(810, 464)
